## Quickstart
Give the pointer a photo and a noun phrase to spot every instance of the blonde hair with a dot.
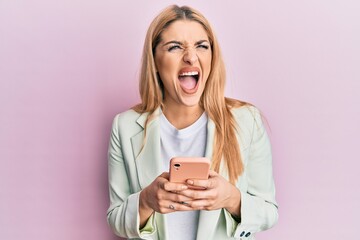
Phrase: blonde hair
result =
(215, 104)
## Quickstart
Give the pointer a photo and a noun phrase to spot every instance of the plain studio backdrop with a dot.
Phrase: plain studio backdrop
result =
(67, 67)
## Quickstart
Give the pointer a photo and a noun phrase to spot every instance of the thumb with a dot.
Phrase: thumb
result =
(212, 173)
(165, 175)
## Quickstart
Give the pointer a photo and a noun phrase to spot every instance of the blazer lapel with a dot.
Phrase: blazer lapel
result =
(147, 159)
(208, 219)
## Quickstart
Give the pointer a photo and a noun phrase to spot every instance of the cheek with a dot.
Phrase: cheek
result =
(208, 66)
(165, 72)
(160, 61)
(206, 59)
(164, 66)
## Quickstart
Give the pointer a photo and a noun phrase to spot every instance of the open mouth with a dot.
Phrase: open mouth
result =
(189, 81)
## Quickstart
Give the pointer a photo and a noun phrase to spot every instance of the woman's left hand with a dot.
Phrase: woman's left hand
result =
(217, 193)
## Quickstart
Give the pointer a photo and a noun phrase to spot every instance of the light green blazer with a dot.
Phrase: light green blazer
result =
(132, 168)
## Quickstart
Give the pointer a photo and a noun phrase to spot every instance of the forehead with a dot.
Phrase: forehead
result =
(184, 31)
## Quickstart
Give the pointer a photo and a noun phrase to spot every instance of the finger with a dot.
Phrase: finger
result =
(162, 194)
(174, 187)
(184, 206)
(174, 197)
(202, 204)
(197, 194)
(205, 184)
(169, 206)
(179, 198)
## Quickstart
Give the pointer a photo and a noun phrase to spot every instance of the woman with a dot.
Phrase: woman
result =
(184, 113)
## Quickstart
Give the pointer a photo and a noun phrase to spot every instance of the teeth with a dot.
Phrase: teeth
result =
(189, 73)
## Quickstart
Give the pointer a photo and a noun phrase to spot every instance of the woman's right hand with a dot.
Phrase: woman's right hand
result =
(162, 196)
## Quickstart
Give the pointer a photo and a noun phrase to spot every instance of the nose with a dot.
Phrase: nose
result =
(190, 57)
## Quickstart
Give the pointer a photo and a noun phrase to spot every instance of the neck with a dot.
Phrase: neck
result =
(182, 116)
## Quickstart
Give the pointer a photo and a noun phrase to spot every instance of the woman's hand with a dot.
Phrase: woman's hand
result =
(218, 193)
(162, 196)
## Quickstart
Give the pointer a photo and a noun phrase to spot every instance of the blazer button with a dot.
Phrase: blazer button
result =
(242, 234)
(248, 234)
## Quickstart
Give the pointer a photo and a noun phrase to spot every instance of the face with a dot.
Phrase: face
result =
(183, 62)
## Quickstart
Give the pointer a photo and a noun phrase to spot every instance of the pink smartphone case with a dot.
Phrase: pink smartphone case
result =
(183, 168)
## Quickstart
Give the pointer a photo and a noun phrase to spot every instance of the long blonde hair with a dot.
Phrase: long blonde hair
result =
(215, 104)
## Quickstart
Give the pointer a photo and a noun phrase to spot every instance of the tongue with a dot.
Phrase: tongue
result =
(187, 82)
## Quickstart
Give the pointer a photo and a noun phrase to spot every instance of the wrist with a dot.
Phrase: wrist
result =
(143, 205)
(145, 211)
(234, 206)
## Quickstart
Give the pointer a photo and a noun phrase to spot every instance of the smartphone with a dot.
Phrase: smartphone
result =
(183, 168)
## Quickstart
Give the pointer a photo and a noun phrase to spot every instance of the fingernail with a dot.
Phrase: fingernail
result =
(191, 182)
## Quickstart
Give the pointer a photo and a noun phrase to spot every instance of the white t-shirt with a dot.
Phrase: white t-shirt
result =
(187, 142)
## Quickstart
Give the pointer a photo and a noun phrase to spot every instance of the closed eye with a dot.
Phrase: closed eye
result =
(203, 46)
(174, 47)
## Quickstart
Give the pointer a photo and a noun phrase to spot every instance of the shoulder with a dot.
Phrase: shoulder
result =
(247, 115)
(127, 116)
(131, 120)
(126, 121)
(249, 123)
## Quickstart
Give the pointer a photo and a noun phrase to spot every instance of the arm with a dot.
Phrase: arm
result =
(123, 213)
(258, 206)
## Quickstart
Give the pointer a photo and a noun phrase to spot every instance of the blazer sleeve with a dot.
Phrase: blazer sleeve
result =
(259, 210)
(122, 214)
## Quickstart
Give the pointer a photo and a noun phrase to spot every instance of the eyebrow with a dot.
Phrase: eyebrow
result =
(180, 43)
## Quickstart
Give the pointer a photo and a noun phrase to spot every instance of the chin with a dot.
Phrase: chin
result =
(192, 101)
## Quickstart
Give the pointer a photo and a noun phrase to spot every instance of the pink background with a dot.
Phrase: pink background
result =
(67, 67)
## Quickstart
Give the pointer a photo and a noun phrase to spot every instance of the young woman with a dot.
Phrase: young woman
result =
(184, 113)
